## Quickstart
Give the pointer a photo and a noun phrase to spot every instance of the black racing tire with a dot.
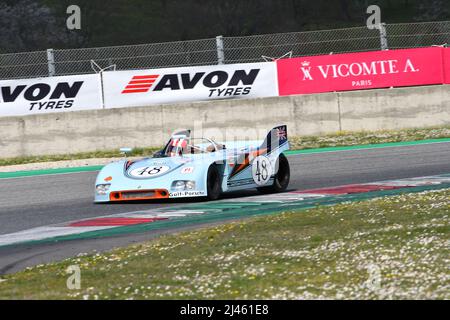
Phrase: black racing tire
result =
(213, 182)
(282, 177)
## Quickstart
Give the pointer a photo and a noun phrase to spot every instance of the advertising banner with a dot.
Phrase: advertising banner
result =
(159, 86)
(53, 94)
(446, 62)
(356, 71)
(303, 75)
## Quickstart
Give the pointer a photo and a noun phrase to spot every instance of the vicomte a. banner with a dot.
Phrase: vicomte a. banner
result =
(160, 86)
(53, 94)
(446, 61)
(365, 70)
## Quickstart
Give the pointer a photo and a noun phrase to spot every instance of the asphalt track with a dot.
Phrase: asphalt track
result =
(49, 199)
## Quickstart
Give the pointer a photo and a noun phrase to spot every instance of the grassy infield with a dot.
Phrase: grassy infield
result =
(393, 247)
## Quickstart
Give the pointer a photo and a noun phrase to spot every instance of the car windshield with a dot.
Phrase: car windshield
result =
(185, 146)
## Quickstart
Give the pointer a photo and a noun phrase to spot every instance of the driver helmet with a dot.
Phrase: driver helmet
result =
(176, 147)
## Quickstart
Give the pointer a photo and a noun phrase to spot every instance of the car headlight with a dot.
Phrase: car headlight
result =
(180, 185)
(190, 185)
(102, 189)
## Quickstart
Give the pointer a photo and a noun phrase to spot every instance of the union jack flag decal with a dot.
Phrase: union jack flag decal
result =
(281, 133)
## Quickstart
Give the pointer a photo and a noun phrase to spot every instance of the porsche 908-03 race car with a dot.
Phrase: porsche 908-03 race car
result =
(189, 167)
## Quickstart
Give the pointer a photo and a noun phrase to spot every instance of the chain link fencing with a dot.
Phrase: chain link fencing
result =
(219, 50)
(412, 35)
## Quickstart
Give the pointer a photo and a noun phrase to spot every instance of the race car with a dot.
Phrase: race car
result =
(198, 167)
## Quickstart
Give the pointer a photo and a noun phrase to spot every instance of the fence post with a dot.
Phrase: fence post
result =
(383, 36)
(220, 53)
(51, 62)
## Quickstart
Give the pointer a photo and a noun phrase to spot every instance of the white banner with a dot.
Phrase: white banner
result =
(53, 94)
(158, 86)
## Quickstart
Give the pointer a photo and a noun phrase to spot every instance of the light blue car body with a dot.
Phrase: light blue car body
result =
(235, 163)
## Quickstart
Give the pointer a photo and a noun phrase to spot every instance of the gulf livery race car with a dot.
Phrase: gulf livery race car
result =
(189, 167)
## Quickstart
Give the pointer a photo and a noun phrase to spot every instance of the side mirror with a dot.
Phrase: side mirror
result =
(126, 151)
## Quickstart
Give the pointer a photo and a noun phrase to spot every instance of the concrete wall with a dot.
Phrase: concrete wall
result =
(316, 114)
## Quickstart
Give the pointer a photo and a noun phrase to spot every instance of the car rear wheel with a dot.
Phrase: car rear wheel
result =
(282, 177)
(213, 183)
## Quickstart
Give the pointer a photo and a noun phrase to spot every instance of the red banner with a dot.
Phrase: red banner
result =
(446, 62)
(365, 70)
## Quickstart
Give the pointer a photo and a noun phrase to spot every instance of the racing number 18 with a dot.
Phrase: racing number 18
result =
(152, 171)
(149, 171)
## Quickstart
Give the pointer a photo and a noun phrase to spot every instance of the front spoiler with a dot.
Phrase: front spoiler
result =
(150, 194)
(131, 195)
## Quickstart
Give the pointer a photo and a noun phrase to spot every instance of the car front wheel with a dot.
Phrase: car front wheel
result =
(213, 183)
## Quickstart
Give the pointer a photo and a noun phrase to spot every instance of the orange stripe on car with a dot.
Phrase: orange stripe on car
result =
(246, 162)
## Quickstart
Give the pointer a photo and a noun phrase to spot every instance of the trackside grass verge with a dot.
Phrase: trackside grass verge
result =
(344, 138)
(386, 248)
(75, 156)
(297, 143)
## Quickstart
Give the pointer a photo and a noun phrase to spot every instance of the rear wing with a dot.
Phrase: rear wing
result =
(276, 138)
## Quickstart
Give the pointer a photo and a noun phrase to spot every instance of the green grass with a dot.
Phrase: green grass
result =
(398, 244)
(75, 156)
(297, 143)
(366, 137)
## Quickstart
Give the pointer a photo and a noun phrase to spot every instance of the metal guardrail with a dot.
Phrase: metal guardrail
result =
(221, 50)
